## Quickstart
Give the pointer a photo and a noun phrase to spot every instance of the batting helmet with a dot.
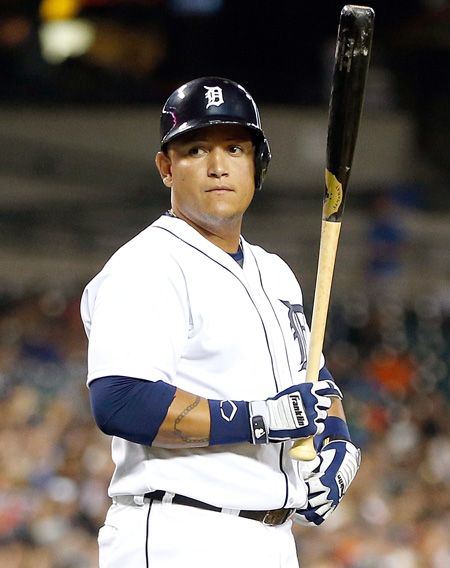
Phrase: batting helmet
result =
(209, 101)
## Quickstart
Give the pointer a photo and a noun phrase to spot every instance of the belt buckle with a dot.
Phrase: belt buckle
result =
(277, 517)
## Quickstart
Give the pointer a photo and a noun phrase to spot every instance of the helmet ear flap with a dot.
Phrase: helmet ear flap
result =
(262, 159)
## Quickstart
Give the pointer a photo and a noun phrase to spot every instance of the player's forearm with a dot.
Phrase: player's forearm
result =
(187, 423)
(192, 421)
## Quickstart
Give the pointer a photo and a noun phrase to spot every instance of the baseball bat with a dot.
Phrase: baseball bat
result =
(351, 64)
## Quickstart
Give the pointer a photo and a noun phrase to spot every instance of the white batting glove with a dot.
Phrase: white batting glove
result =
(335, 467)
(296, 412)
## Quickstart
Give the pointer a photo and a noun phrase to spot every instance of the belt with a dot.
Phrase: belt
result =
(272, 517)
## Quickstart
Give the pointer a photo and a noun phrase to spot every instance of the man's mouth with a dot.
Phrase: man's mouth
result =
(220, 188)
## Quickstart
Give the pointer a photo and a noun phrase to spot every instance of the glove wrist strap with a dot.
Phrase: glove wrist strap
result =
(258, 421)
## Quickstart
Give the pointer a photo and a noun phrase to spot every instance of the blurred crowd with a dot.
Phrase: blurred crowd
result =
(391, 359)
(54, 463)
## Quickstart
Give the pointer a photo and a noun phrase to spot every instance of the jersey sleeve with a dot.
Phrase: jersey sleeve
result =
(137, 320)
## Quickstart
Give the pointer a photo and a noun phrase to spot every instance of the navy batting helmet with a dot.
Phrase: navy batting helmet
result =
(209, 101)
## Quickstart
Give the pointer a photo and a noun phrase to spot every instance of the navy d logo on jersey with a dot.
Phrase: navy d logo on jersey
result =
(295, 313)
(214, 96)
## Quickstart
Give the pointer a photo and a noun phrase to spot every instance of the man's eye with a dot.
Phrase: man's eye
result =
(236, 149)
(196, 151)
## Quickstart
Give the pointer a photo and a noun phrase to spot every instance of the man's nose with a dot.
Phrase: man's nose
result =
(217, 164)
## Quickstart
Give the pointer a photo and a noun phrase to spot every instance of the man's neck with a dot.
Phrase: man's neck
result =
(227, 237)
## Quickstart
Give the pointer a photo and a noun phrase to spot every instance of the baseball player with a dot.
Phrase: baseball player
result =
(196, 364)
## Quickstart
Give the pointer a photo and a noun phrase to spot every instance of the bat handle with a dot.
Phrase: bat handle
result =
(303, 449)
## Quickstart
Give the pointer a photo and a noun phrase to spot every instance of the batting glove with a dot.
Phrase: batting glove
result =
(327, 483)
(296, 412)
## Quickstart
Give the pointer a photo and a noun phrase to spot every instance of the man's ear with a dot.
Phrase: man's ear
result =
(164, 165)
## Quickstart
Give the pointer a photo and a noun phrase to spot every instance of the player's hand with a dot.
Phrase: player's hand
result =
(335, 468)
(296, 412)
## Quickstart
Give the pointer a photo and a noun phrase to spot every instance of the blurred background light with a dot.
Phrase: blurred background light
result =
(61, 39)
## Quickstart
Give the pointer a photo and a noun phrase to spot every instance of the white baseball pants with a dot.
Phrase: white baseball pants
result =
(167, 536)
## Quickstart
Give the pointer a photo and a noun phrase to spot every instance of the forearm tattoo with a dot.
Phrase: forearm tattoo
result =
(179, 432)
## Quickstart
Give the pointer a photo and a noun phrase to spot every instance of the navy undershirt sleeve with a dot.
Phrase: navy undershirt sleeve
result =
(130, 408)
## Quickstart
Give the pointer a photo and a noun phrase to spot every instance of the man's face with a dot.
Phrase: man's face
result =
(211, 174)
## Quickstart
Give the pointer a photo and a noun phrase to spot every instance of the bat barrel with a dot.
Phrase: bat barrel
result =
(351, 64)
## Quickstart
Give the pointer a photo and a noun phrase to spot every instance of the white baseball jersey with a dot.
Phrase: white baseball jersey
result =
(172, 306)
